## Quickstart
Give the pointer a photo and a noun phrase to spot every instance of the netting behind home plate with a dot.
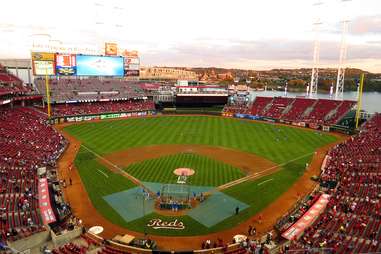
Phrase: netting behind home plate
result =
(175, 193)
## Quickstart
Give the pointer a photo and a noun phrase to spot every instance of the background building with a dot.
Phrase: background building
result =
(160, 73)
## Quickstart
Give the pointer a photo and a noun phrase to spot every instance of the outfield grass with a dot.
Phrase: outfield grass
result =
(280, 144)
(208, 172)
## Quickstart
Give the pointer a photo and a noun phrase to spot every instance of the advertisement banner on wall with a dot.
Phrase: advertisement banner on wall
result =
(66, 65)
(297, 229)
(110, 116)
(131, 60)
(133, 67)
(42, 56)
(131, 73)
(44, 202)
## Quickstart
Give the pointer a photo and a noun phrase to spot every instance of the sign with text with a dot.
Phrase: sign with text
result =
(44, 202)
(111, 49)
(66, 64)
(160, 224)
(43, 68)
(297, 229)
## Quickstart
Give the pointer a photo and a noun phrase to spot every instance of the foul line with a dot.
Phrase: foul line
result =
(221, 187)
(103, 173)
(133, 179)
(268, 180)
(255, 175)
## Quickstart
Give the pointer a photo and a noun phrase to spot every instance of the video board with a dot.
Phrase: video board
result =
(66, 65)
(99, 65)
(131, 66)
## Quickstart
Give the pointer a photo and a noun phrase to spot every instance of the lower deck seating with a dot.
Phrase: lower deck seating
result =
(351, 222)
(310, 111)
(101, 107)
(27, 143)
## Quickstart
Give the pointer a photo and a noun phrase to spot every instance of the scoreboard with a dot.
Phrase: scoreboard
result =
(62, 64)
(66, 64)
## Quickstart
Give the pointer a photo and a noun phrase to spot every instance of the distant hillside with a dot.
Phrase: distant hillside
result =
(350, 72)
(295, 78)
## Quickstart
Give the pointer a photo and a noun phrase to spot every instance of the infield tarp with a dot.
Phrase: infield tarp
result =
(131, 204)
(215, 209)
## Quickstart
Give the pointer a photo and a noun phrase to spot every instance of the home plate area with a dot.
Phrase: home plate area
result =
(134, 203)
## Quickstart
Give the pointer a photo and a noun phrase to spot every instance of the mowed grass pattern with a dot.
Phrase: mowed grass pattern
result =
(279, 144)
(99, 182)
(208, 172)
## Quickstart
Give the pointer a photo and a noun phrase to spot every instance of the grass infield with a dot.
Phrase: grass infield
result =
(208, 172)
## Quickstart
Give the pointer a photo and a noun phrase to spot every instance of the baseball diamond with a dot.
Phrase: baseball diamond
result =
(275, 152)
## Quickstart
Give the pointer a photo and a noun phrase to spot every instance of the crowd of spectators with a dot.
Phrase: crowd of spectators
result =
(238, 107)
(91, 89)
(351, 223)
(320, 111)
(310, 111)
(295, 213)
(8, 78)
(27, 143)
(70, 109)
(10, 84)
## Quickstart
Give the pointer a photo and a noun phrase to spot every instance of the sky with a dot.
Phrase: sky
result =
(248, 34)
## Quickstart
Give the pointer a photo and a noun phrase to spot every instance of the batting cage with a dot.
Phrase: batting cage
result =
(175, 197)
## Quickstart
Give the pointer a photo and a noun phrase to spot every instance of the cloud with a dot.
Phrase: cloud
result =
(366, 25)
(271, 50)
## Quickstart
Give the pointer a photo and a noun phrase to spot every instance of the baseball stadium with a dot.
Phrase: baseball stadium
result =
(102, 155)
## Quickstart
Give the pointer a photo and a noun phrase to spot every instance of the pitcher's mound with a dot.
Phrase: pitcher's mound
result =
(183, 171)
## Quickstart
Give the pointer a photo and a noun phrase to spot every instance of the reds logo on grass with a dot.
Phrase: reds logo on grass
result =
(159, 224)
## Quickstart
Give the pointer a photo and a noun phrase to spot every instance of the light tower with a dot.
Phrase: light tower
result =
(341, 69)
(339, 94)
(316, 58)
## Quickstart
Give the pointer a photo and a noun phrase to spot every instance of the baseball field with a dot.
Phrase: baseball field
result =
(241, 163)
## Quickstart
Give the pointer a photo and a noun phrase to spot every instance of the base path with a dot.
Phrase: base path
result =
(82, 207)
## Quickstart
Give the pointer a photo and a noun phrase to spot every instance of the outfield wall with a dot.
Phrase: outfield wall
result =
(91, 117)
(273, 120)
(326, 128)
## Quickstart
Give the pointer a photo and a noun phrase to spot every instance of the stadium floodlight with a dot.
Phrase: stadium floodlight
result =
(316, 60)
(339, 94)
(342, 58)
(313, 88)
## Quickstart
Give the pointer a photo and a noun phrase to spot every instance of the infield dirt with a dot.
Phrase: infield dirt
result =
(247, 162)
